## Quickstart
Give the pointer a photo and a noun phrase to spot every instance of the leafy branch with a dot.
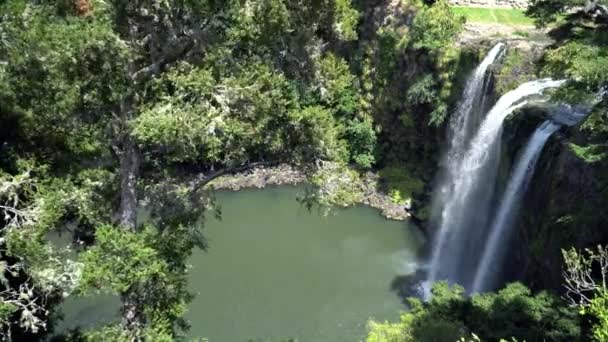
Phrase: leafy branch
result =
(580, 283)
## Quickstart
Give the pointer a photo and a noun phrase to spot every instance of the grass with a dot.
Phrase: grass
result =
(505, 16)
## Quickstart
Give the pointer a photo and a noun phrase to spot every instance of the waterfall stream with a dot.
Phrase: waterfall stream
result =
(463, 123)
(469, 109)
(461, 128)
(523, 171)
(468, 188)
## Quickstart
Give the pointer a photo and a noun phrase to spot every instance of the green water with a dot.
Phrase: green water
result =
(276, 271)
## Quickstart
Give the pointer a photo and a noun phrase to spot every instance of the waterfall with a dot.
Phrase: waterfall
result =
(463, 123)
(469, 191)
(461, 127)
(509, 205)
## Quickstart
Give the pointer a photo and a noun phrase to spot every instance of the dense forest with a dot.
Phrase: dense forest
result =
(113, 107)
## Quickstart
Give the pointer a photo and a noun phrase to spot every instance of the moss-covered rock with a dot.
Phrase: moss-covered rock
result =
(337, 185)
(518, 66)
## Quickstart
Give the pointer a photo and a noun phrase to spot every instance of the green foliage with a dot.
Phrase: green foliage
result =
(347, 19)
(33, 274)
(7, 310)
(581, 55)
(316, 134)
(589, 153)
(400, 183)
(514, 70)
(435, 27)
(336, 85)
(70, 64)
(422, 91)
(362, 142)
(156, 331)
(584, 290)
(549, 12)
(582, 61)
(512, 312)
(424, 321)
(149, 271)
(121, 259)
(599, 310)
(201, 120)
(337, 90)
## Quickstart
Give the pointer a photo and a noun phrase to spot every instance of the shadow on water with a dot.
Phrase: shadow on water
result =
(409, 285)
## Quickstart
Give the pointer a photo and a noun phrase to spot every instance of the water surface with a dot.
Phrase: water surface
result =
(275, 271)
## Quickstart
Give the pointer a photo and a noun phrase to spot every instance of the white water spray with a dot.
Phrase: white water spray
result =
(462, 126)
(470, 188)
(509, 205)
(461, 129)
(464, 121)
(500, 232)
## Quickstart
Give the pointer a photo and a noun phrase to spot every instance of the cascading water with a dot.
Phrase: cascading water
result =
(463, 123)
(462, 126)
(469, 189)
(495, 247)
(469, 109)
(509, 205)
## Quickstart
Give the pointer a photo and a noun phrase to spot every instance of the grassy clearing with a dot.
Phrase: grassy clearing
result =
(511, 17)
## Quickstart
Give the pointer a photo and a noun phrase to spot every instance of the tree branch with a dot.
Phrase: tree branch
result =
(171, 53)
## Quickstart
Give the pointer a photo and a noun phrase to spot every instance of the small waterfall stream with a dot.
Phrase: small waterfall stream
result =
(467, 191)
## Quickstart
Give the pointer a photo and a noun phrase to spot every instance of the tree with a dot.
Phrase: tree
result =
(581, 55)
(511, 313)
(125, 101)
(33, 274)
(584, 290)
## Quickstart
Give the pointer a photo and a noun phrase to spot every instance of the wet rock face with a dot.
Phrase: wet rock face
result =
(520, 4)
(564, 208)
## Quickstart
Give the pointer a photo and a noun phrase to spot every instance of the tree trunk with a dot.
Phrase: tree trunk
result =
(129, 173)
(132, 317)
(128, 157)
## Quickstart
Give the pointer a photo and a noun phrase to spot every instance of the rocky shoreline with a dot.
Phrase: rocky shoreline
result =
(379, 200)
(259, 177)
(284, 174)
